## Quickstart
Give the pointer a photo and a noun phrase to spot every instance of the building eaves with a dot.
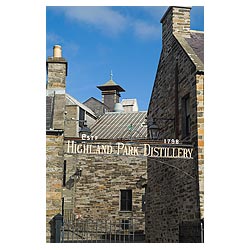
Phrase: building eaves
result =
(190, 52)
(110, 85)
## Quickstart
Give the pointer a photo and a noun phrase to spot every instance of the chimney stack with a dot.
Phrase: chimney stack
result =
(56, 70)
(176, 20)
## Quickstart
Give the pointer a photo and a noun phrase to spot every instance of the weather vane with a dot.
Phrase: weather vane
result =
(111, 75)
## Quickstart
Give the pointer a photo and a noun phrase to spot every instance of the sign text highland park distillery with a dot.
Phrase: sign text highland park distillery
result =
(125, 149)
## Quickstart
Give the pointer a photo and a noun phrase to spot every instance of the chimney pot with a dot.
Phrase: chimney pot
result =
(57, 51)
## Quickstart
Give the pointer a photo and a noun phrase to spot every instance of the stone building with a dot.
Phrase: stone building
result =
(59, 106)
(130, 105)
(174, 196)
(103, 186)
(97, 106)
(107, 179)
(55, 108)
(86, 186)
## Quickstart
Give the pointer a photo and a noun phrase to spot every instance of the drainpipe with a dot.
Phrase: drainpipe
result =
(176, 100)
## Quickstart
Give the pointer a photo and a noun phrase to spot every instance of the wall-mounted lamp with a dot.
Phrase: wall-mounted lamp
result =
(153, 128)
(153, 131)
(78, 173)
(74, 178)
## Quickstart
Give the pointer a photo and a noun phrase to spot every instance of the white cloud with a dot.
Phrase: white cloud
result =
(155, 12)
(144, 30)
(111, 22)
(54, 38)
(103, 18)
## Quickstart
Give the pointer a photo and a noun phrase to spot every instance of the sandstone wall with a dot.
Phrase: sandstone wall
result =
(97, 194)
(54, 169)
(174, 196)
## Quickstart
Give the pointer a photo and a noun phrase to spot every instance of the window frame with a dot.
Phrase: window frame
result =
(126, 203)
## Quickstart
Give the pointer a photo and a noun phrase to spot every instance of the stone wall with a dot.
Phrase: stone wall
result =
(110, 98)
(57, 72)
(59, 108)
(95, 105)
(175, 78)
(97, 194)
(54, 168)
(200, 137)
(171, 198)
(71, 121)
(175, 188)
(175, 21)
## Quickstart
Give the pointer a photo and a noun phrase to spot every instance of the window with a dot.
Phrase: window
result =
(126, 200)
(186, 116)
(125, 224)
(81, 117)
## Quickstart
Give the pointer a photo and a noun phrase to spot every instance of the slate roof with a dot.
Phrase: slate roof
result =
(194, 47)
(115, 125)
(196, 42)
(49, 111)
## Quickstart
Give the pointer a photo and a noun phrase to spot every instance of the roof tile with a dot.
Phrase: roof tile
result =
(196, 42)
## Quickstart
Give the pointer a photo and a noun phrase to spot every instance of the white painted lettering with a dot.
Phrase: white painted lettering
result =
(120, 146)
(146, 149)
(79, 148)
(190, 150)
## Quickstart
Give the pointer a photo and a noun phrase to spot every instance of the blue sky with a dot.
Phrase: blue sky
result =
(96, 40)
